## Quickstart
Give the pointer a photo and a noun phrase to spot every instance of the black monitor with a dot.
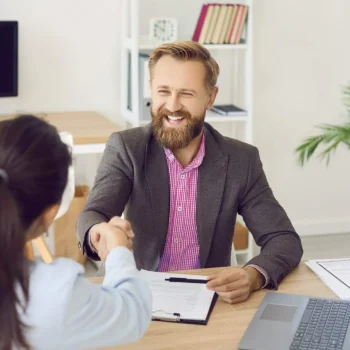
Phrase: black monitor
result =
(8, 58)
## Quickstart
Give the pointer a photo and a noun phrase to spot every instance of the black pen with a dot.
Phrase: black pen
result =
(185, 280)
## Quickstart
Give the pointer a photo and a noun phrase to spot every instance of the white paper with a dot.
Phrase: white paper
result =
(335, 273)
(191, 300)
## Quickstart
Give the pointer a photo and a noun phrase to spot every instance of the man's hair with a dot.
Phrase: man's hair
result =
(188, 51)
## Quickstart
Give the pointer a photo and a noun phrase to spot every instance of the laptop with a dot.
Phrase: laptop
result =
(288, 321)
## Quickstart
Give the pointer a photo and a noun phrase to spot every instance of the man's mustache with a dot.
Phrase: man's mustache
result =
(164, 113)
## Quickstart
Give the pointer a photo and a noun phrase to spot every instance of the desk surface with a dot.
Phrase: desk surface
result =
(86, 127)
(227, 323)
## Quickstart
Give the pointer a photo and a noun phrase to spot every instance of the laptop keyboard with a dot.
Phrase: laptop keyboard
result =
(323, 326)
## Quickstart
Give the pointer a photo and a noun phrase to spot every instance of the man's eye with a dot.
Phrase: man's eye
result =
(187, 94)
(162, 91)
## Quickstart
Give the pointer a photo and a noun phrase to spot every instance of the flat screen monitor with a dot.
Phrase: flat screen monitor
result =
(8, 58)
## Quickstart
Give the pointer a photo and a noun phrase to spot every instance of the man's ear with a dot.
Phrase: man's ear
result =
(212, 97)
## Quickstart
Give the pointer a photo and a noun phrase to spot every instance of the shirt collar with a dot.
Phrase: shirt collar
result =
(197, 160)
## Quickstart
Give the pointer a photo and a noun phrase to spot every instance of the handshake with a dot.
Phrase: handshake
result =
(106, 236)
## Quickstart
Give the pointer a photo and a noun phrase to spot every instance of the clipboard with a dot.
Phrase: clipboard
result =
(185, 301)
(189, 321)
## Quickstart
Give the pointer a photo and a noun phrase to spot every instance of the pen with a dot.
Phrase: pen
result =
(185, 280)
(166, 319)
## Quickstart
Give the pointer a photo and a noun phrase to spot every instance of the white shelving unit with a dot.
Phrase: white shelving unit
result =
(145, 45)
(134, 42)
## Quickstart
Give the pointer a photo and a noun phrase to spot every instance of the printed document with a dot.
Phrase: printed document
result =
(178, 300)
(335, 273)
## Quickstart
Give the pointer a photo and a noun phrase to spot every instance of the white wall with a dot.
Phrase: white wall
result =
(301, 61)
(68, 55)
(69, 60)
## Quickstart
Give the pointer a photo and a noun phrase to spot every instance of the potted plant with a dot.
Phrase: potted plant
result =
(331, 136)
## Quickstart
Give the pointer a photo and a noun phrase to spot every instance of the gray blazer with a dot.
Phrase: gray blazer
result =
(133, 178)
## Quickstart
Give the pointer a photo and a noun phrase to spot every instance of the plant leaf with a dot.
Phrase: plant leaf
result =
(332, 135)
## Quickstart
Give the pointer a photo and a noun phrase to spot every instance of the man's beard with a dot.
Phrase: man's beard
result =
(176, 137)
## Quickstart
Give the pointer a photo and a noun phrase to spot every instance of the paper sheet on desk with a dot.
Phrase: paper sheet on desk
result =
(335, 273)
(191, 300)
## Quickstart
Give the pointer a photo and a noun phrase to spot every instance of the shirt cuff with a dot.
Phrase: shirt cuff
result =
(89, 241)
(88, 248)
(263, 272)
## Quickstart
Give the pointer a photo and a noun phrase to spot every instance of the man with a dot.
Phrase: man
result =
(181, 184)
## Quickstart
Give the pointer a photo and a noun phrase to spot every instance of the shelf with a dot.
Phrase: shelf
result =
(212, 117)
(226, 46)
(146, 45)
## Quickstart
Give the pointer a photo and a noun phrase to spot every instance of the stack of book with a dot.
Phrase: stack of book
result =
(221, 24)
(229, 110)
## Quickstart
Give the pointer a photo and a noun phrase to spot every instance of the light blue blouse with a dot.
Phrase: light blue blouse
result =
(66, 311)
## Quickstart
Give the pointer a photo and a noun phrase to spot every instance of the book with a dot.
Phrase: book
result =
(234, 29)
(226, 24)
(231, 24)
(200, 22)
(241, 24)
(206, 23)
(213, 21)
(180, 298)
(229, 109)
(219, 24)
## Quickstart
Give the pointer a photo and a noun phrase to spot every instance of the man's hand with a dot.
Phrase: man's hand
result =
(235, 285)
(94, 237)
(106, 236)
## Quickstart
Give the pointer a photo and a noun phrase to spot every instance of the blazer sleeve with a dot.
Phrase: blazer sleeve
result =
(110, 192)
(115, 313)
(281, 248)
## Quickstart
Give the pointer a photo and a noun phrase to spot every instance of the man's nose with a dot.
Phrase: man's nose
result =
(173, 104)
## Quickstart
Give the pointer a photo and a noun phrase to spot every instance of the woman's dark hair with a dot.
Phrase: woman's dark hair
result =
(34, 166)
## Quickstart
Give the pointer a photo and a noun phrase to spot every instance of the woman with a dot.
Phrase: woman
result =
(53, 306)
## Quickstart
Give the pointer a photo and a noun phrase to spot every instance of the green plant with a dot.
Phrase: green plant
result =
(330, 137)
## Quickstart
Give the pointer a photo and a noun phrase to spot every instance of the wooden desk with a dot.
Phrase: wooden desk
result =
(227, 323)
(90, 130)
(86, 127)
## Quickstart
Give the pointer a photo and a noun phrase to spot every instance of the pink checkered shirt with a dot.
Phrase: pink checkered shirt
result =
(181, 250)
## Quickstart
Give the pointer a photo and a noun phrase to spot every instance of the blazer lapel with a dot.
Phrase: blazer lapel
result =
(211, 184)
(157, 176)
